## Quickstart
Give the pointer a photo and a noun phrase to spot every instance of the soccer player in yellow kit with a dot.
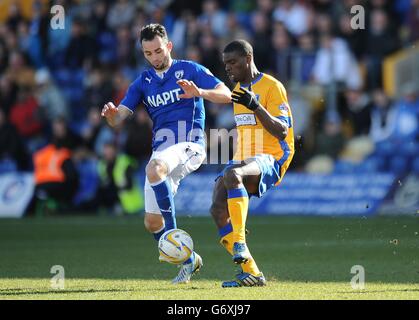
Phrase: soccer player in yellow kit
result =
(265, 147)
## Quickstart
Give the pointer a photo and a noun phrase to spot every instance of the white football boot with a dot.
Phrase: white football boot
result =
(187, 270)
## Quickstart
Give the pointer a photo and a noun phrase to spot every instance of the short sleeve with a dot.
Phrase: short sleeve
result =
(133, 96)
(204, 78)
(277, 104)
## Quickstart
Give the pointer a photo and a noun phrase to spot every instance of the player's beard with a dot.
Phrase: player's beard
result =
(164, 65)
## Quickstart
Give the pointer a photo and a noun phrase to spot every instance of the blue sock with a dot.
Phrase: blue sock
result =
(190, 258)
(158, 234)
(164, 196)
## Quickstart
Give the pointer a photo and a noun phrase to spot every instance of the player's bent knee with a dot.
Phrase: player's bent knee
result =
(232, 178)
(153, 222)
(156, 170)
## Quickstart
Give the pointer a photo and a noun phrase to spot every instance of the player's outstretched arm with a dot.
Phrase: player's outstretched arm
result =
(115, 115)
(220, 94)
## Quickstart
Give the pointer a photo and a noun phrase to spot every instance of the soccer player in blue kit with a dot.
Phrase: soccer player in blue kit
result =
(172, 92)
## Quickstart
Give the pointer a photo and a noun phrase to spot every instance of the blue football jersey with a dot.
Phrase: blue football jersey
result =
(174, 119)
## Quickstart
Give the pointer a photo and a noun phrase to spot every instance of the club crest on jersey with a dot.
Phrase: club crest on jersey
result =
(179, 74)
(283, 107)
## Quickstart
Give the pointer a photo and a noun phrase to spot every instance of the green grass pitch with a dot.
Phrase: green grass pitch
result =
(302, 258)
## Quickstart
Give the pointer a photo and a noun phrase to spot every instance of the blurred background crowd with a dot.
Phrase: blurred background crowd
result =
(53, 83)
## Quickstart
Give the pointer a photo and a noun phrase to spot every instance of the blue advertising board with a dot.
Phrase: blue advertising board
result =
(300, 194)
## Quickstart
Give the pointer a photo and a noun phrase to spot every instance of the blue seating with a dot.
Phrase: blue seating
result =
(71, 83)
(409, 149)
(399, 164)
(342, 166)
(376, 163)
(107, 47)
(7, 165)
(415, 165)
(384, 149)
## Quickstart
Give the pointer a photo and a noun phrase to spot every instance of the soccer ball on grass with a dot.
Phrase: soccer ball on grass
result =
(175, 246)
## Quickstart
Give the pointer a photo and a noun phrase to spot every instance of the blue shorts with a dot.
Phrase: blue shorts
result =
(269, 168)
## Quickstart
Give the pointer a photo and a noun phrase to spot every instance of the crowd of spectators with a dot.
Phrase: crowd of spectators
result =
(68, 74)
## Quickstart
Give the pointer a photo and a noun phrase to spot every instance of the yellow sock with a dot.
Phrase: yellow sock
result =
(250, 266)
(238, 204)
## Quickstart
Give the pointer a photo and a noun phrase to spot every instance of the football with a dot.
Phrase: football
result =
(175, 246)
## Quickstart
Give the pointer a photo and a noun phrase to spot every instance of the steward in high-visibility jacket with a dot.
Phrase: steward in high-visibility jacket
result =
(55, 174)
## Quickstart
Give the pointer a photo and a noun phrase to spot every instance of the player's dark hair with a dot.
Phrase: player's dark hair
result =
(242, 47)
(150, 31)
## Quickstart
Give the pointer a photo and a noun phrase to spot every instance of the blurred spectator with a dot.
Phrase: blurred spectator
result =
(386, 6)
(8, 93)
(14, 17)
(11, 144)
(382, 117)
(139, 136)
(194, 54)
(3, 56)
(301, 110)
(23, 37)
(180, 31)
(358, 111)
(91, 128)
(39, 28)
(380, 42)
(25, 114)
(125, 55)
(99, 89)
(211, 55)
(50, 99)
(98, 21)
(242, 6)
(295, 16)
(330, 141)
(56, 177)
(323, 6)
(193, 30)
(158, 14)
(281, 55)
(407, 116)
(262, 46)
(120, 84)
(334, 62)
(19, 71)
(118, 190)
(213, 17)
(323, 24)
(81, 48)
(121, 13)
(266, 7)
(354, 38)
(304, 58)
(413, 21)
(62, 136)
(234, 30)
(106, 134)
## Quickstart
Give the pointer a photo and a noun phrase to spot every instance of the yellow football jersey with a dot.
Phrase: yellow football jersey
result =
(252, 137)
